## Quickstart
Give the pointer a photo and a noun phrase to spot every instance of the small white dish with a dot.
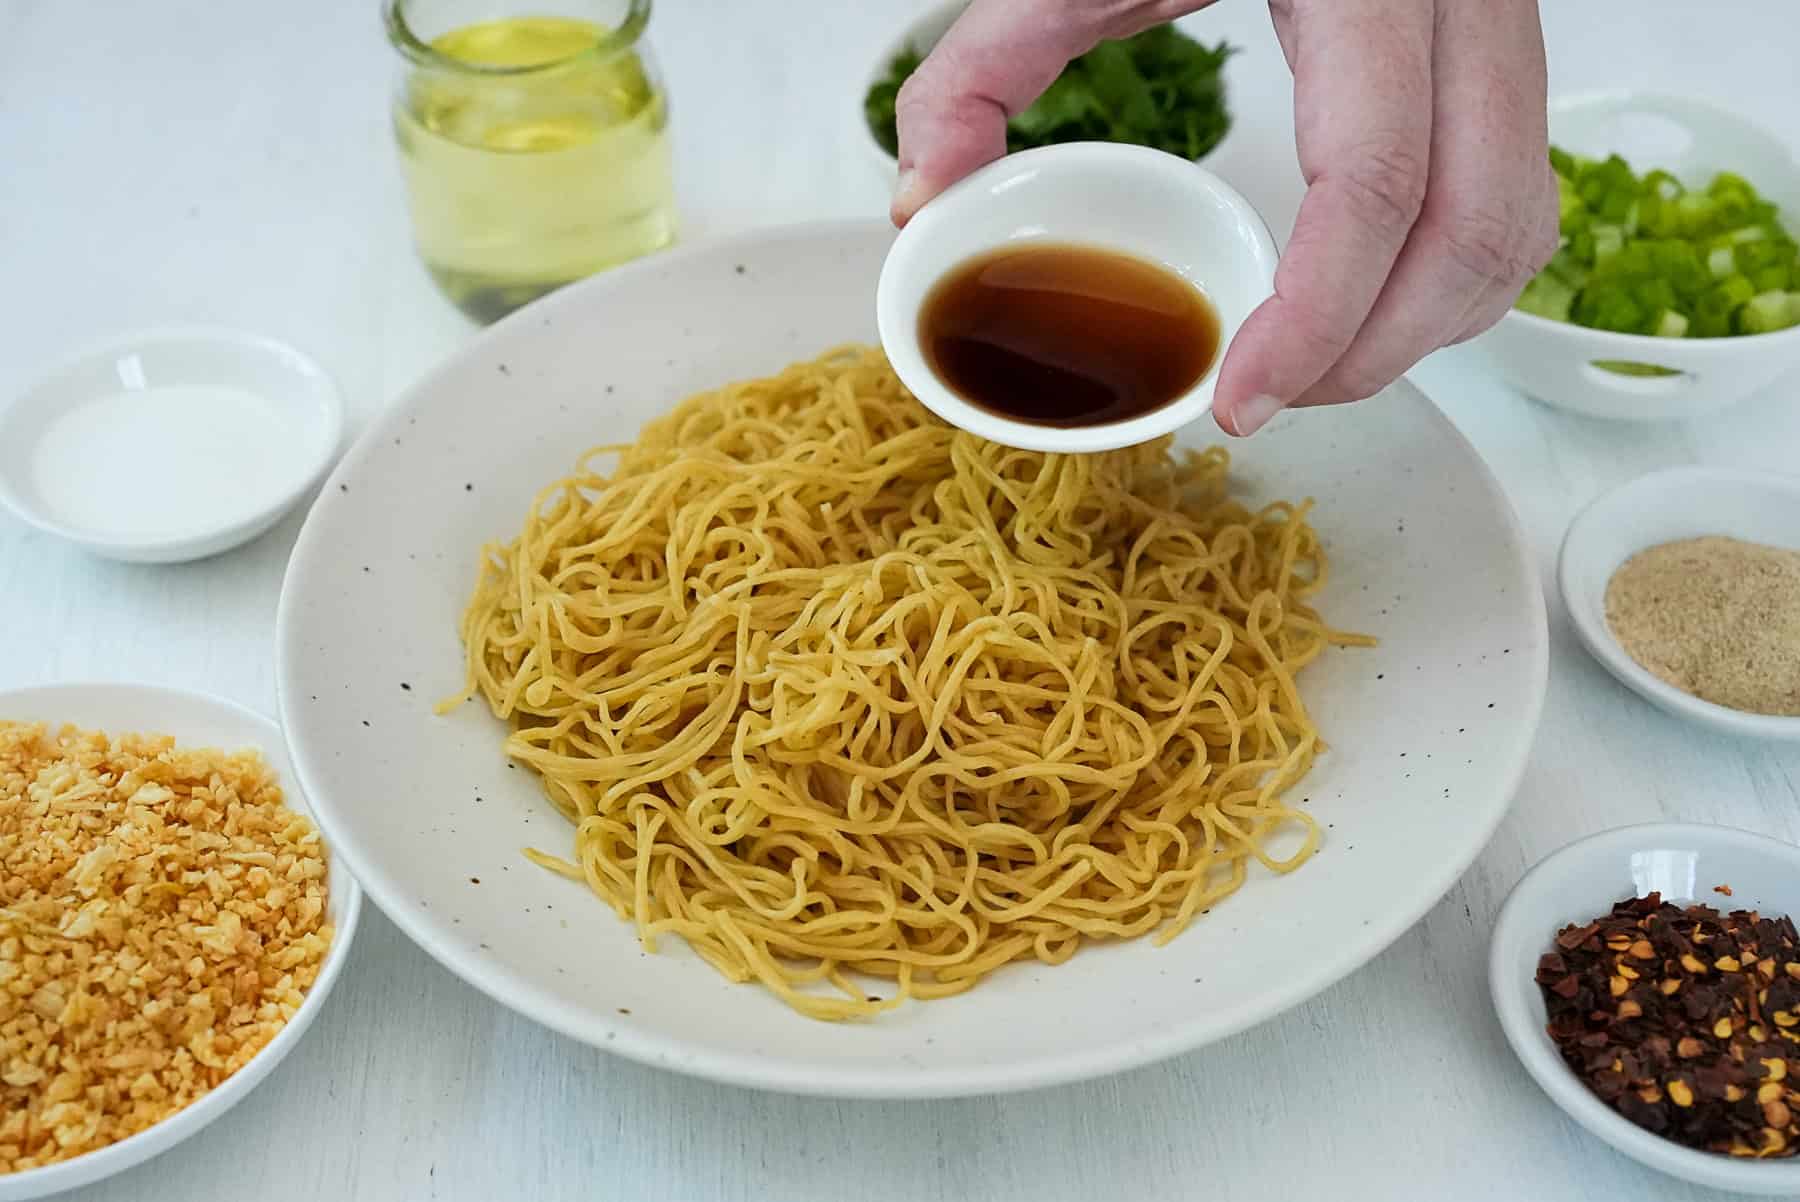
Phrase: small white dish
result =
(169, 445)
(1555, 361)
(195, 720)
(920, 35)
(1131, 199)
(1682, 861)
(1689, 502)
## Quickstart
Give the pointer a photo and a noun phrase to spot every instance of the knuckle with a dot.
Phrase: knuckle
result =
(1339, 388)
(1490, 244)
(1385, 183)
(1544, 248)
(1313, 333)
(1354, 381)
(916, 93)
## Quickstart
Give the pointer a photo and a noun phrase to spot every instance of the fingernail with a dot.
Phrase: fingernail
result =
(906, 196)
(1255, 413)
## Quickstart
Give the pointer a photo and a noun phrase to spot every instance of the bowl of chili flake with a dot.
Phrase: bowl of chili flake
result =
(1649, 980)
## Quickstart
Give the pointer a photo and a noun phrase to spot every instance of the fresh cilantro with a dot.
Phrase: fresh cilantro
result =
(1160, 88)
(878, 105)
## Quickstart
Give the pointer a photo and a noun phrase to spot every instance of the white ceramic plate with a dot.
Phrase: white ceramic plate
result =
(1688, 502)
(1430, 732)
(1683, 861)
(195, 720)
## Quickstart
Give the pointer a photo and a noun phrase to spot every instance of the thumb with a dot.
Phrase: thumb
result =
(992, 63)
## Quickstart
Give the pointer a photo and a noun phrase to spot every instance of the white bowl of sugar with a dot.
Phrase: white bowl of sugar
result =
(169, 445)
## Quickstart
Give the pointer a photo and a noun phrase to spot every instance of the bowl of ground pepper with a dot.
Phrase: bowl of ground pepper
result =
(1649, 980)
(1685, 584)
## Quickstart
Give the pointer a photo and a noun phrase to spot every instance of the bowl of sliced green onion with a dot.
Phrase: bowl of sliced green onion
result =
(1676, 290)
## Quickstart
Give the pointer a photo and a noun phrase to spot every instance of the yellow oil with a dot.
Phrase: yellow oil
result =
(521, 182)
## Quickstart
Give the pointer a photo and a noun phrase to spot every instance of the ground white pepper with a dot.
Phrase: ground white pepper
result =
(1715, 617)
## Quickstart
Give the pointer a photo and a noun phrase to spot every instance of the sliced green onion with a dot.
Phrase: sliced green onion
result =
(1769, 311)
(1566, 267)
(1651, 256)
(1547, 296)
(1581, 246)
(1662, 185)
(1574, 213)
(1728, 183)
(1624, 368)
(1654, 295)
(1772, 278)
(1609, 240)
(1736, 291)
(1693, 212)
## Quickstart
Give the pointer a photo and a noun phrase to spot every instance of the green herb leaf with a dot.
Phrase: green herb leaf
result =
(1123, 94)
(878, 105)
(1161, 89)
(1067, 103)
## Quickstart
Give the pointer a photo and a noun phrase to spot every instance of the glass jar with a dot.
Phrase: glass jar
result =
(534, 140)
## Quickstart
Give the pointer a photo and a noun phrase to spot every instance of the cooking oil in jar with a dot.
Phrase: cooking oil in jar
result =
(535, 153)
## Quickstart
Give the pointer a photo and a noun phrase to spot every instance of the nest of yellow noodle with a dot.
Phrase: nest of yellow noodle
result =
(827, 686)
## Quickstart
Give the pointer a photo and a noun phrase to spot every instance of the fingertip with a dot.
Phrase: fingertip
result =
(909, 197)
(1226, 420)
(1255, 413)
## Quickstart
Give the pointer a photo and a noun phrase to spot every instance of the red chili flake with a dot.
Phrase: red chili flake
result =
(1685, 1021)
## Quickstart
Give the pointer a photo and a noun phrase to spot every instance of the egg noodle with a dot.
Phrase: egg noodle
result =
(829, 687)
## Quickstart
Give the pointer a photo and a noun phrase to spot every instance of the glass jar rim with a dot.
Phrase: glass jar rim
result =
(409, 44)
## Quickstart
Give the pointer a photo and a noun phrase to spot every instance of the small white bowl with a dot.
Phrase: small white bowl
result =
(920, 35)
(1126, 198)
(195, 720)
(1689, 502)
(254, 419)
(1682, 861)
(1554, 361)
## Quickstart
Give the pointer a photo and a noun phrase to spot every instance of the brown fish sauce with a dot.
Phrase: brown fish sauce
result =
(1066, 335)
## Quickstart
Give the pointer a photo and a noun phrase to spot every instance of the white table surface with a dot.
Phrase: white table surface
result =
(186, 160)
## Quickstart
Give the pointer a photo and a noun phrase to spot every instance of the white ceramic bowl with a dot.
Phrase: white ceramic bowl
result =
(1759, 507)
(1430, 561)
(1554, 361)
(1682, 861)
(920, 34)
(196, 720)
(298, 425)
(1126, 198)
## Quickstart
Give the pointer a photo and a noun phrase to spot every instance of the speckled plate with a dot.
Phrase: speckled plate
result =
(1429, 732)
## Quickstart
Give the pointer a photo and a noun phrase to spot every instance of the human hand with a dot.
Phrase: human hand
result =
(1421, 133)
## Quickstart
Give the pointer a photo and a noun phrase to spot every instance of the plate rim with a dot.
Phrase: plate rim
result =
(519, 994)
(168, 1133)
